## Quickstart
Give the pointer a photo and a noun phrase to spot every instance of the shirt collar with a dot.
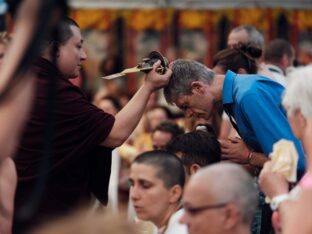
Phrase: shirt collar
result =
(273, 68)
(227, 91)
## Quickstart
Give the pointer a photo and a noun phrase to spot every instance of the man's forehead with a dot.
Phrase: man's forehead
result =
(180, 100)
(76, 33)
(195, 193)
(196, 183)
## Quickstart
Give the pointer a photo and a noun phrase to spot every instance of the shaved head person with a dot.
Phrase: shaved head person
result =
(219, 199)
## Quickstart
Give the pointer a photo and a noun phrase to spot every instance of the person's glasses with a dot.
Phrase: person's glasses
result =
(196, 210)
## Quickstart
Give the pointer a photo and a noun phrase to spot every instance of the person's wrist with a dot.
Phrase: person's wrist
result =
(277, 200)
(148, 87)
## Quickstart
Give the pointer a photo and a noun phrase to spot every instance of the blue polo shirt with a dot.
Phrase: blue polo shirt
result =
(254, 101)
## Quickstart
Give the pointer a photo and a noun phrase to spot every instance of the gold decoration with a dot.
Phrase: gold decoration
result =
(304, 20)
(218, 14)
(141, 20)
(99, 19)
(193, 19)
(189, 19)
(254, 16)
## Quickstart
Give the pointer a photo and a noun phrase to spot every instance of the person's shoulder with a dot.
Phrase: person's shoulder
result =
(252, 78)
(174, 225)
(246, 84)
(256, 83)
(68, 91)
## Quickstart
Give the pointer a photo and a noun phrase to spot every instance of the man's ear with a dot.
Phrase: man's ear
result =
(194, 168)
(54, 49)
(175, 193)
(197, 87)
(232, 216)
(47, 51)
(285, 62)
(242, 71)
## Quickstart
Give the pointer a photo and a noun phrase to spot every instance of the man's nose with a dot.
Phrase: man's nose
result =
(83, 55)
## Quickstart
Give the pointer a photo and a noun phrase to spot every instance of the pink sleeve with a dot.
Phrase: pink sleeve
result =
(306, 181)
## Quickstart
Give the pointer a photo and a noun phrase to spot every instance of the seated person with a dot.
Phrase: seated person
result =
(196, 149)
(157, 179)
(165, 132)
(109, 104)
(153, 117)
(221, 198)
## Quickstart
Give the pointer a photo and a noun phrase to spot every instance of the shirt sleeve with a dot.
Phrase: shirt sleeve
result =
(269, 124)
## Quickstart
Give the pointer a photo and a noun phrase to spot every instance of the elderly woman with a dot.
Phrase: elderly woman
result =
(292, 206)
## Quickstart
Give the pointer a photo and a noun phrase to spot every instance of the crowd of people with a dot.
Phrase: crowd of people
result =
(204, 169)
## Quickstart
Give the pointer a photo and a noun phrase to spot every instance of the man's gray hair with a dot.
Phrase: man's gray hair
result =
(229, 182)
(184, 72)
(298, 94)
(254, 36)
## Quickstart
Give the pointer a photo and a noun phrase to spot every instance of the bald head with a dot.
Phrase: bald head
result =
(227, 182)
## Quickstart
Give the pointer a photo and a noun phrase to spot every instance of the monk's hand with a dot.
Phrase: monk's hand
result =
(155, 80)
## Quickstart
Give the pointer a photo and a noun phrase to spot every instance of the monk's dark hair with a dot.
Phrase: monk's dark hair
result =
(61, 34)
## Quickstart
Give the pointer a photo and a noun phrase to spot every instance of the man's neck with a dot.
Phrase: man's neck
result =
(217, 87)
(244, 230)
(240, 229)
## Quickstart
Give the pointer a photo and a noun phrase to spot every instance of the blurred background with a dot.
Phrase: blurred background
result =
(119, 33)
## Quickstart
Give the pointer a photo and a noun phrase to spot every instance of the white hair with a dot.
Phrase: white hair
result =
(298, 94)
(229, 182)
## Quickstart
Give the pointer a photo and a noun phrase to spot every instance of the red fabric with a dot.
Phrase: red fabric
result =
(78, 165)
